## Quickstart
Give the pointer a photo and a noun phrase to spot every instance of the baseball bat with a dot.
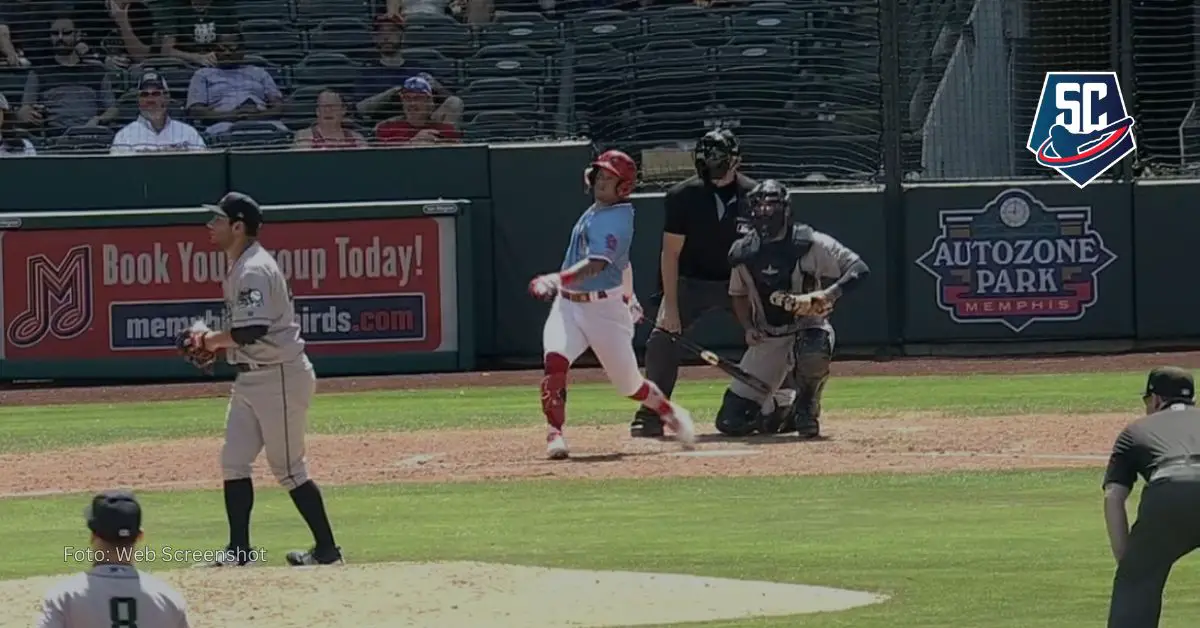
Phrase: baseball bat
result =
(713, 359)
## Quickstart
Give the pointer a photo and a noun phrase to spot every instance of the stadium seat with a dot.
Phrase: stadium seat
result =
(599, 102)
(849, 91)
(670, 79)
(347, 35)
(507, 61)
(507, 94)
(702, 27)
(498, 126)
(543, 36)
(252, 134)
(430, 60)
(770, 22)
(311, 12)
(263, 9)
(447, 35)
(272, 39)
(326, 68)
(518, 17)
(758, 73)
(603, 28)
(82, 139)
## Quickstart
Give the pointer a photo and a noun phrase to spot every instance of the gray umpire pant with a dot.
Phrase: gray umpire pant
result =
(697, 298)
(1166, 529)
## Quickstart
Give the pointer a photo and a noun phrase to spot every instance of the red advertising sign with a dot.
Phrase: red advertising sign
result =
(360, 286)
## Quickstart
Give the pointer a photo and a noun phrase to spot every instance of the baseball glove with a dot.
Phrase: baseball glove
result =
(809, 304)
(190, 344)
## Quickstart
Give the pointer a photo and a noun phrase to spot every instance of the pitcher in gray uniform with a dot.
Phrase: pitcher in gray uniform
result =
(778, 256)
(268, 407)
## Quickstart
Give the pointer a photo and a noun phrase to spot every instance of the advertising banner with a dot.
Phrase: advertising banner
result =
(360, 286)
(1032, 262)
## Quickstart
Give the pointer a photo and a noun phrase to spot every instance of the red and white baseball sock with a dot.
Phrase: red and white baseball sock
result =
(652, 397)
(554, 390)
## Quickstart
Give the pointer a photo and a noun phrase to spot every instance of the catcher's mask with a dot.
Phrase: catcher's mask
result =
(769, 210)
(716, 154)
(617, 163)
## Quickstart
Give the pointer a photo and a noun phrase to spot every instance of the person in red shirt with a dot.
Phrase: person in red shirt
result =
(416, 127)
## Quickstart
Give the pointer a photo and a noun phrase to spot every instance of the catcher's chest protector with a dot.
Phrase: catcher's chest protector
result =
(771, 267)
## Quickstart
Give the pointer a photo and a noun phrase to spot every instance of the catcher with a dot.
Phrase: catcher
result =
(779, 269)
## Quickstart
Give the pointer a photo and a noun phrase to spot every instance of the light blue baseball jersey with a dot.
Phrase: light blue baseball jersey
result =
(601, 233)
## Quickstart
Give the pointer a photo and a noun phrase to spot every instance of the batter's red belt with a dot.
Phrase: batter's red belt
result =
(588, 297)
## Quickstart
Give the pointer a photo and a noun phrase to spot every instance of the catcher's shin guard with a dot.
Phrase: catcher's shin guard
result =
(738, 416)
(813, 354)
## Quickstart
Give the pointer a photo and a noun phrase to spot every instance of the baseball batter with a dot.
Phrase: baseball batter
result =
(113, 593)
(779, 269)
(268, 407)
(594, 305)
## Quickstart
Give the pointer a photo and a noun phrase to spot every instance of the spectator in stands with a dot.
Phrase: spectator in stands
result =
(470, 11)
(10, 144)
(191, 29)
(155, 130)
(328, 130)
(129, 33)
(417, 126)
(74, 90)
(233, 90)
(23, 29)
(378, 88)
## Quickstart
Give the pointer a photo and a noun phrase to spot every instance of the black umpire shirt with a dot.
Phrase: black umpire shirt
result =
(708, 219)
(1145, 444)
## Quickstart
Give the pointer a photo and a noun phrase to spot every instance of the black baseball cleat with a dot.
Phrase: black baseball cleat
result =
(316, 556)
(646, 427)
(810, 429)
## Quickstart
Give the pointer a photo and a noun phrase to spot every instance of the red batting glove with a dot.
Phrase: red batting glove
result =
(545, 287)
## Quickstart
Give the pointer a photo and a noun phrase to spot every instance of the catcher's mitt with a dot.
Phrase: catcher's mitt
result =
(810, 304)
(190, 344)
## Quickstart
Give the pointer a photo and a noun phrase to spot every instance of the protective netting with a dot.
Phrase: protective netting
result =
(972, 73)
(1164, 63)
(798, 81)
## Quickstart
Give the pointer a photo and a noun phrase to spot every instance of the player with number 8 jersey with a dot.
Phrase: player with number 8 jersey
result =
(113, 593)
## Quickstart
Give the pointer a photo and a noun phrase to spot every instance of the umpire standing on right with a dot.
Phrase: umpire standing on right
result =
(1164, 448)
(702, 221)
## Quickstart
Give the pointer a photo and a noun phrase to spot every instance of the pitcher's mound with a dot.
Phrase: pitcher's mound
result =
(455, 595)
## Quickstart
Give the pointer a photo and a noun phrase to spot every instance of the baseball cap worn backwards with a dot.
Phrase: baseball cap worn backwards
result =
(115, 516)
(238, 207)
(1171, 382)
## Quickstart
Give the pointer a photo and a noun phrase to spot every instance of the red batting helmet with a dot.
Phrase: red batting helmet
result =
(619, 164)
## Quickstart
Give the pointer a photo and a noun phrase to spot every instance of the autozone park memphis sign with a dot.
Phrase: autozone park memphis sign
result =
(359, 287)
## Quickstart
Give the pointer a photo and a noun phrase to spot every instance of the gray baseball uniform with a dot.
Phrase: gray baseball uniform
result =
(275, 382)
(826, 261)
(113, 596)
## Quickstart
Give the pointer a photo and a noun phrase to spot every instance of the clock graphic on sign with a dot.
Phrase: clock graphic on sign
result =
(1014, 212)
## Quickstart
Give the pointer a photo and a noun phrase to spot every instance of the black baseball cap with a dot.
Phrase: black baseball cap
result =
(115, 516)
(1170, 382)
(238, 207)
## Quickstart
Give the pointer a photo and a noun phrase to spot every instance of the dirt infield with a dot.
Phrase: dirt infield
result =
(903, 366)
(891, 443)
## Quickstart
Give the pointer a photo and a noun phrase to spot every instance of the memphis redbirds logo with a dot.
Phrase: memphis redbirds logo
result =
(1016, 262)
(1081, 127)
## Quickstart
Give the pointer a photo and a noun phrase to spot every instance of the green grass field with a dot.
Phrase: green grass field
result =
(981, 550)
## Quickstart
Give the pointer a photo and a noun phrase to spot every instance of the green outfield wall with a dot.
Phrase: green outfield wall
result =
(417, 260)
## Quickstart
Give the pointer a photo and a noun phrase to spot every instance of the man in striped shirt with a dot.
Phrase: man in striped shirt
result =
(155, 130)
